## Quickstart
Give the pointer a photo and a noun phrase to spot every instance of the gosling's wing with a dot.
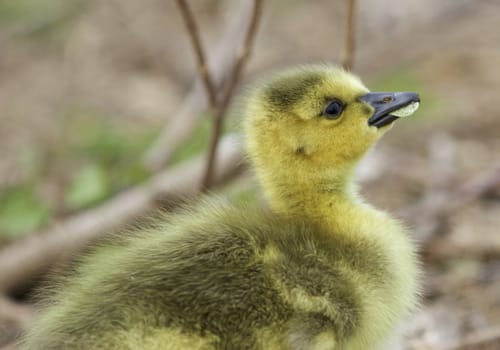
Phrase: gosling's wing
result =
(203, 279)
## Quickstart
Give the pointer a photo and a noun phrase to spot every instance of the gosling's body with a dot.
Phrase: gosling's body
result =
(320, 270)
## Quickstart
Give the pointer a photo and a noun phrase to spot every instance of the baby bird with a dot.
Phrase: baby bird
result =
(320, 269)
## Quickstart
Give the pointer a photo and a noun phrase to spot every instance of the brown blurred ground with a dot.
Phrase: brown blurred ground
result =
(129, 63)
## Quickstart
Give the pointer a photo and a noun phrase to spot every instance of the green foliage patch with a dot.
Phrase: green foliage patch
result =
(37, 17)
(107, 155)
(22, 211)
(94, 158)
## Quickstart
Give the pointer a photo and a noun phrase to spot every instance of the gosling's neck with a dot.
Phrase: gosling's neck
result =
(327, 197)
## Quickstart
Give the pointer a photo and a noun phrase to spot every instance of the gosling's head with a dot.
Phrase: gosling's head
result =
(315, 122)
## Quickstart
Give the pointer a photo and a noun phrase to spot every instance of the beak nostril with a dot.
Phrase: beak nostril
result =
(387, 99)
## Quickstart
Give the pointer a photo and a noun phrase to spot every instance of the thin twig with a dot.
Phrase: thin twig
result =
(237, 68)
(30, 257)
(194, 36)
(348, 56)
(185, 119)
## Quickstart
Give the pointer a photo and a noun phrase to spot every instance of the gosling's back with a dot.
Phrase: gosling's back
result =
(234, 279)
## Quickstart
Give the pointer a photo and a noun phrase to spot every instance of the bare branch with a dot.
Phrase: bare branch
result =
(243, 55)
(186, 117)
(237, 68)
(31, 256)
(349, 42)
(194, 36)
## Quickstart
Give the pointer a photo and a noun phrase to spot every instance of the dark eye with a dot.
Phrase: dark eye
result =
(334, 109)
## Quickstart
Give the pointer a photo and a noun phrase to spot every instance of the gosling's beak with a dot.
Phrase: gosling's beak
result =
(385, 103)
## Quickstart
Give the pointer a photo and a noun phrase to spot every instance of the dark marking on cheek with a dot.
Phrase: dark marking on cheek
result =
(300, 150)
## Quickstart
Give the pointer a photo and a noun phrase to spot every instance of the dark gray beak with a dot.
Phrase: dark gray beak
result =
(385, 103)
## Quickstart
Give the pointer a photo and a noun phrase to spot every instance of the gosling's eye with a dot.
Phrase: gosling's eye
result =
(334, 109)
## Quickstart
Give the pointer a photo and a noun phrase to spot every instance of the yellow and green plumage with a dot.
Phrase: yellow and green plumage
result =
(319, 270)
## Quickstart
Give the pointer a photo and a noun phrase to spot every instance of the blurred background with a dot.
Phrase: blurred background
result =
(101, 122)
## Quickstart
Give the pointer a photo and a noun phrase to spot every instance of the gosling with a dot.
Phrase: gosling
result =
(320, 269)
